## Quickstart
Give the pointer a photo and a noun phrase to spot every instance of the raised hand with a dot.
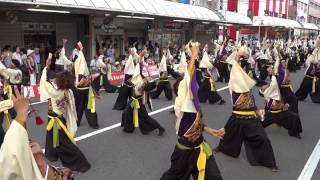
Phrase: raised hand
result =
(21, 105)
(49, 60)
(195, 48)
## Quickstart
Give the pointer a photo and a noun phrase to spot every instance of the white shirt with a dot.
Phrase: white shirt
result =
(14, 75)
(17, 56)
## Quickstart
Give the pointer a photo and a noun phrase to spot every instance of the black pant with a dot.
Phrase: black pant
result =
(109, 88)
(69, 154)
(315, 97)
(146, 122)
(81, 100)
(287, 119)
(172, 72)
(123, 97)
(289, 97)
(2, 133)
(162, 86)
(257, 144)
(304, 89)
(224, 72)
(184, 164)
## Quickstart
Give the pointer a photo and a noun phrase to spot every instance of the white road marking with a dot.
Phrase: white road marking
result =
(119, 124)
(311, 164)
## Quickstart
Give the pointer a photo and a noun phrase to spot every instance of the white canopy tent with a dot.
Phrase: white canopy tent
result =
(274, 22)
(236, 18)
(310, 26)
(152, 8)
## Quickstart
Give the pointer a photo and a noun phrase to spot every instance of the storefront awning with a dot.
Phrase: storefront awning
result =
(235, 18)
(310, 26)
(275, 22)
(153, 8)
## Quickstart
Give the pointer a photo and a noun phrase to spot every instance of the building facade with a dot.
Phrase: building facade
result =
(314, 12)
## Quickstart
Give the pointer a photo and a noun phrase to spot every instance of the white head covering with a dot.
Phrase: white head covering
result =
(80, 65)
(163, 64)
(16, 158)
(183, 63)
(129, 66)
(136, 77)
(272, 92)
(231, 58)
(205, 61)
(240, 81)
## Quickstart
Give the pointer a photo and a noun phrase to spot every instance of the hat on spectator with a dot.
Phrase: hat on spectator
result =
(117, 63)
(29, 52)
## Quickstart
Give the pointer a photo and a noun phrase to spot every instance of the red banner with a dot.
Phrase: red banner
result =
(117, 77)
(32, 90)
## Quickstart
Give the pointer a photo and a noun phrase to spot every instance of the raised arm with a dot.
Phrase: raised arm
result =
(195, 52)
(47, 90)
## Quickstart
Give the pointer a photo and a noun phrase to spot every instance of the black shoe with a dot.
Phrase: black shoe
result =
(95, 127)
(222, 102)
(298, 136)
(85, 168)
(161, 131)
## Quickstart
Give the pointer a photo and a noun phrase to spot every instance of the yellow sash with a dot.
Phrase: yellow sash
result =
(8, 89)
(205, 153)
(250, 74)
(7, 118)
(314, 81)
(212, 84)
(136, 106)
(91, 101)
(245, 113)
(275, 111)
(101, 80)
(56, 124)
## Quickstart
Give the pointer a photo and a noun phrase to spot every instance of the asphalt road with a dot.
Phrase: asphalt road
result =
(115, 155)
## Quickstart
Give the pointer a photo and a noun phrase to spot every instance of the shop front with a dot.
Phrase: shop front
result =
(118, 33)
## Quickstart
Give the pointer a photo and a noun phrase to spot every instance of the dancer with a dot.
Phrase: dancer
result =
(62, 62)
(125, 89)
(6, 116)
(16, 159)
(24, 159)
(13, 74)
(192, 154)
(164, 83)
(60, 141)
(207, 90)
(105, 77)
(170, 63)
(135, 115)
(244, 124)
(277, 112)
(308, 85)
(315, 97)
(84, 94)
